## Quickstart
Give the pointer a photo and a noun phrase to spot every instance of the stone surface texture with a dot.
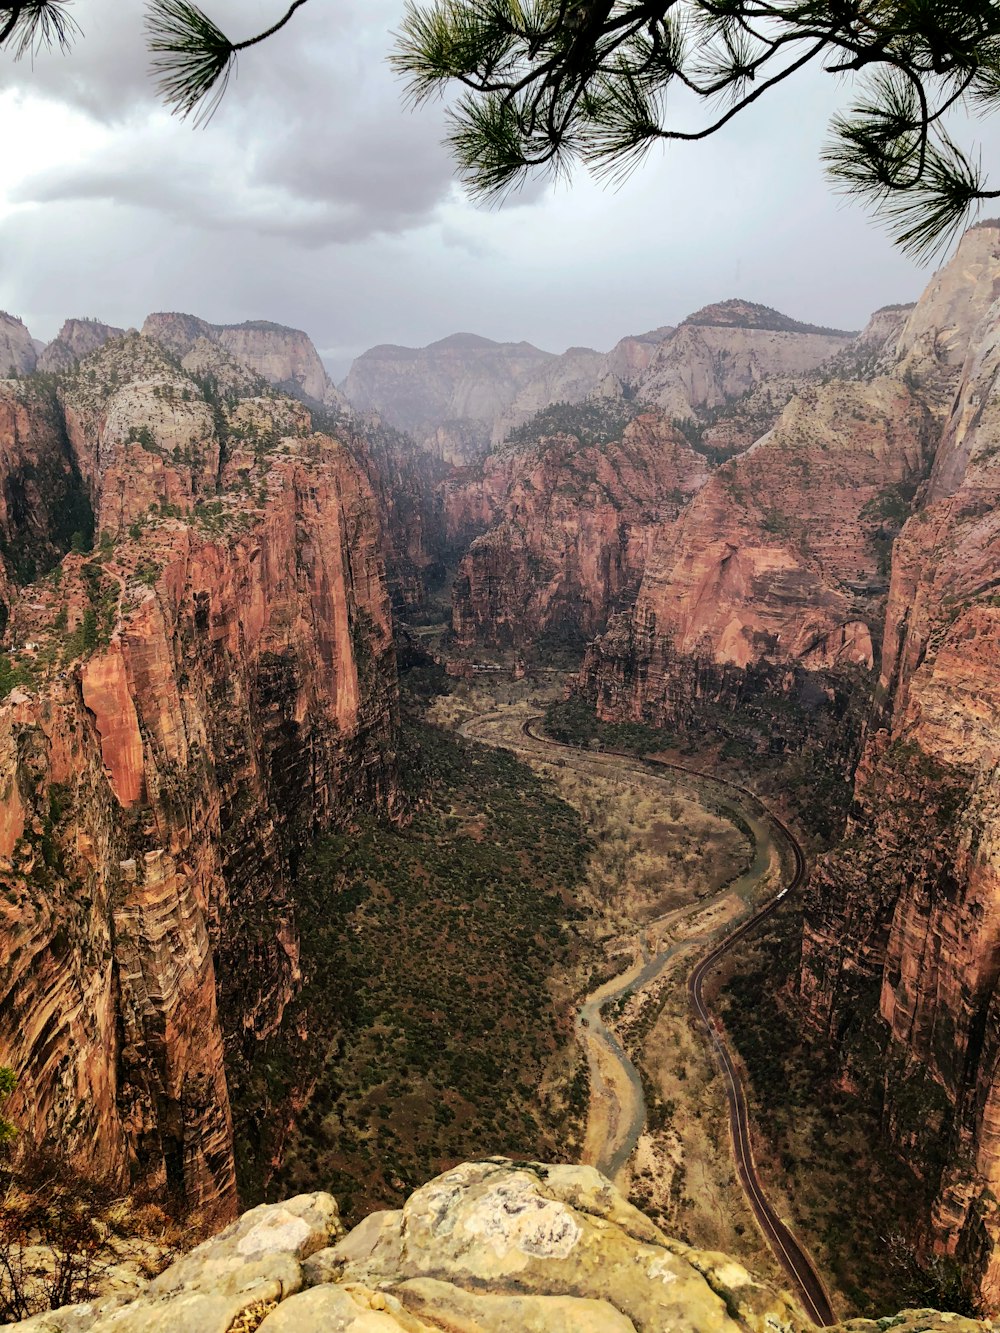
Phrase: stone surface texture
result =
(285, 358)
(486, 1248)
(902, 934)
(570, 531)
(18, 354)
(76, 339)
(776, 560)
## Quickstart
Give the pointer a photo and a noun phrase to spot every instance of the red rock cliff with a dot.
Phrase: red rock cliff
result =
(570, 537)
(776, 561)
(192, 702)
(901, 954)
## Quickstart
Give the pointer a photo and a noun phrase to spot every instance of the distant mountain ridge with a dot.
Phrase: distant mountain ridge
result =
(464, 394)
(740, 314)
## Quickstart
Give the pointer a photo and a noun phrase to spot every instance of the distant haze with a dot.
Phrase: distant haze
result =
(314, 199)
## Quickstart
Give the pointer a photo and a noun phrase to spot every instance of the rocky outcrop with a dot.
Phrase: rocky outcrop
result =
(465, 394)
(724, 351)
(778, 561)
(486, 1247)
(76, 339)
(899, 967)
(189, 704)
(283, 357)
(18, 354)
(873, 351)
(570, 538)
(448, 395)
(569, 378)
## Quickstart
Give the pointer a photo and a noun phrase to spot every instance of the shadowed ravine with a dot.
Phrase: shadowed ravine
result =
(617, 1081)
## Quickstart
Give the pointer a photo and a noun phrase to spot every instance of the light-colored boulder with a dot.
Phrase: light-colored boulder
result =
(489, 1247)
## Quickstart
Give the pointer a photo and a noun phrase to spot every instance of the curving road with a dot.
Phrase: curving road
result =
(789, 1252)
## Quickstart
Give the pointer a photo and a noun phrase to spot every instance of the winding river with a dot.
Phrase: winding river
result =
(612, 1138)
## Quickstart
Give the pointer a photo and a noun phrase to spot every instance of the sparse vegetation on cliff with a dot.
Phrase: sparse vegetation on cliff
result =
(596, 421)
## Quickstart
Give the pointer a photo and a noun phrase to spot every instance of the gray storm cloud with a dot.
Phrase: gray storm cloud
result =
(313, 197)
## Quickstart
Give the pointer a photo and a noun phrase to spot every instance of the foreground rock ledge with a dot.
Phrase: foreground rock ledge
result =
(495, 1246)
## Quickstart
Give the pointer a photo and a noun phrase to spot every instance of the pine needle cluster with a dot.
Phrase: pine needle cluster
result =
(544, 84)
(541, 85)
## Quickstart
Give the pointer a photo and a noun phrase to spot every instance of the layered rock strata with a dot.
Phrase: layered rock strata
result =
(902, 935)
(570, 537)
(76, 339)
(18, 353)
(185, 707)
(723, 351)
(778, 561)
(448, 395)
(464, 395)
(285, 358)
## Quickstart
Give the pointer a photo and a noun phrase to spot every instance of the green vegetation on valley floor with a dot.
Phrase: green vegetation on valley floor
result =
(434, 1023)
(821, 1149)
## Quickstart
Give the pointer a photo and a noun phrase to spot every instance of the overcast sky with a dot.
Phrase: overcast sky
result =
(315, 199)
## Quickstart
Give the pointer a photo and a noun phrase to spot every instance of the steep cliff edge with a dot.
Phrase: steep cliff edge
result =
(570, 536)
(184, 707)
(447, 395)
(76, 339)
(902, 935)
(778, 564)
(17, 348)
(723, 351)
(464, 395)
(488, 1246)
(43, 505)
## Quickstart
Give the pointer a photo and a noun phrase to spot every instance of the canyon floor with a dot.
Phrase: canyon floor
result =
(670, 868)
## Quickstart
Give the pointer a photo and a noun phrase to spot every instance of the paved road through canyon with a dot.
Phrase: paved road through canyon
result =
(614, 1077)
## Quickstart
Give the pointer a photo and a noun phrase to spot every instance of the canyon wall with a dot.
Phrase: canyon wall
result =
(901, 950)
(76, 339)
(570, 534)
(285, 358)
(779, 563)
(723, 351)
(18, 352)
(185, 706)
(448, 395)
(464, 395)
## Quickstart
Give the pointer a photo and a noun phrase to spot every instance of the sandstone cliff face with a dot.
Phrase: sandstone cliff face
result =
(448, 395)
(776, 561)
(42, 504)
(76, 339)
(902, 938)
(283, 357)
(190, 704)
(465, 394)
(570, 537)
(17, 349)
(569, 378)
(724, 351)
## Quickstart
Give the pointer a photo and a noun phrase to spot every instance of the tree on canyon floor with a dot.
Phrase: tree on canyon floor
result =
(543, 84)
